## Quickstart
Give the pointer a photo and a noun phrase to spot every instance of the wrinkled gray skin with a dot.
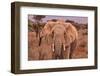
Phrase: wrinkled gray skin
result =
(58, 33)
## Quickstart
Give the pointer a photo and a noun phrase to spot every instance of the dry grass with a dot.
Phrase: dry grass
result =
(82, 49)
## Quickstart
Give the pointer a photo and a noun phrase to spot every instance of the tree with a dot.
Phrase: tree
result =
(38, 18)
(70, 21)
(54, 20)
(30, 25)
(38, 22)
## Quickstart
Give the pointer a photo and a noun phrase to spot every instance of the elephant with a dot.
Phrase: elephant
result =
(45, 52)
(59, 39)
(45, 42)
(64, 38)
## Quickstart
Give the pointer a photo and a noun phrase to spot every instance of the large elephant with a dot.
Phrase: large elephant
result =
(64, 38)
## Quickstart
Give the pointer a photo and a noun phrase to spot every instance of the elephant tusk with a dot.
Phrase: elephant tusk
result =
(53, 49)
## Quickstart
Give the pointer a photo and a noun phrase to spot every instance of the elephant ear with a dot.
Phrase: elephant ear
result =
(71, 33)
(46, 32)
(49, 25)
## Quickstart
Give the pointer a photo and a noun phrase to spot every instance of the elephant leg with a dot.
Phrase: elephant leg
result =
(58, 51)
(73, 48)
(64, 47)
(48, 56)
(55, 55)
(41, 55)
(68, 52)
(53, 47)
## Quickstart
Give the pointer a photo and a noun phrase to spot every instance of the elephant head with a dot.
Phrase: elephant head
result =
(58, 33)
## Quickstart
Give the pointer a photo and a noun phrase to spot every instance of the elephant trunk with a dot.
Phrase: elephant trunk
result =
(58, 48)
